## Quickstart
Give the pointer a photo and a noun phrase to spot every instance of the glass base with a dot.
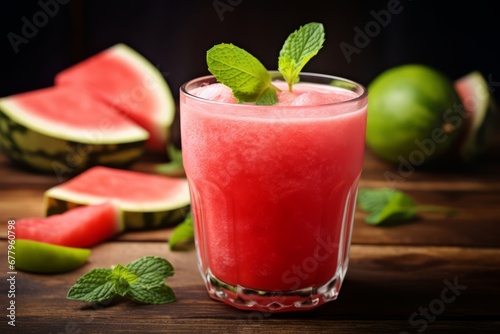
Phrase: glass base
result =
(272, 301)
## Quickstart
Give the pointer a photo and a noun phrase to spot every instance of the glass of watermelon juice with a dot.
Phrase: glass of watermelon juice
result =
(273, 189)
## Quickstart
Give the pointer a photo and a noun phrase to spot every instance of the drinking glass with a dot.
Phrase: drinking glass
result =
(273, 192)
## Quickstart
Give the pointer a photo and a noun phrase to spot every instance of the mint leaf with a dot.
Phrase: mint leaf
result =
(160, 294)
(151, 271)
(183, 233)
(399, 207)
(299, 48)
(374, 200)
(390, 205)
(149, 287)
(121, 278)
(93, 287)
(243, 73)
(142, 280)
(175, 166)
(248, 78)
(268, 97)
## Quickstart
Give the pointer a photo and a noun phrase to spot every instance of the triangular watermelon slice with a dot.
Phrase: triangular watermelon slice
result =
(81, 227)
(129, 82)
(64, 130)
(146, 200)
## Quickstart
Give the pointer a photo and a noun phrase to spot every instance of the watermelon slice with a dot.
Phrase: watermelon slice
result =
(146, 200)
(126, 80)
(480, 111)
(63, 130)
(80, 227)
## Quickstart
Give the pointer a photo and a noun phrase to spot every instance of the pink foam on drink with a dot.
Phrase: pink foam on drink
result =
(285, 98)
(302, 94)
(312, 98)
(215, 92)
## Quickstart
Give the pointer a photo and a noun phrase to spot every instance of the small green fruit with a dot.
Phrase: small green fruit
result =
(39, 257)
(414, 114)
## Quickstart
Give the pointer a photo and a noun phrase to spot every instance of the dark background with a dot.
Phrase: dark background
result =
(454, 37)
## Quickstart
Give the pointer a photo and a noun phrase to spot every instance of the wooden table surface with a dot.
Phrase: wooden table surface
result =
(436, 274)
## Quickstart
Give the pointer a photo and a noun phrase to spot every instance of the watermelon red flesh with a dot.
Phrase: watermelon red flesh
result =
(72, 114)
(146, 200)
(124, 79)
(65, 130)
(129, 188)
(79, 227)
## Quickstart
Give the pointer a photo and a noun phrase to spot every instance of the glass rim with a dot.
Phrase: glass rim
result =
(363, 95)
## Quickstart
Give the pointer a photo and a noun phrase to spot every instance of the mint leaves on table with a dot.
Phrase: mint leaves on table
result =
(183, 234)
(175, 166)
(142, 280)
(389, 205)
(299, 48)
(249, 79)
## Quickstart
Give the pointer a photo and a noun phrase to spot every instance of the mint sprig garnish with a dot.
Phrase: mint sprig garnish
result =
(142, 280)
(249, 79)
(243, 73)
(299, 48)
(386, 205)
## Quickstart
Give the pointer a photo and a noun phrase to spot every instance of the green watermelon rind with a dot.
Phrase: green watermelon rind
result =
(45, 127)
(44, 151)
(135, 216)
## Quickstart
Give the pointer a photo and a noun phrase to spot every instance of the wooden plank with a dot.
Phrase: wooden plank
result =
(431, 184)
(25, 202)
(435, 274)
(484, 177)
(487, 163)
(21, 202)
(476, 223)
(245, 325)
(479, 210)
(382, 175)
(456, 232)
(429, 229)
(13, 175)
(382, 283)
(449, 175)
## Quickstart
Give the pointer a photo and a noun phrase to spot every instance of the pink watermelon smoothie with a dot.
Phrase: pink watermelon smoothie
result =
(273, 187)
